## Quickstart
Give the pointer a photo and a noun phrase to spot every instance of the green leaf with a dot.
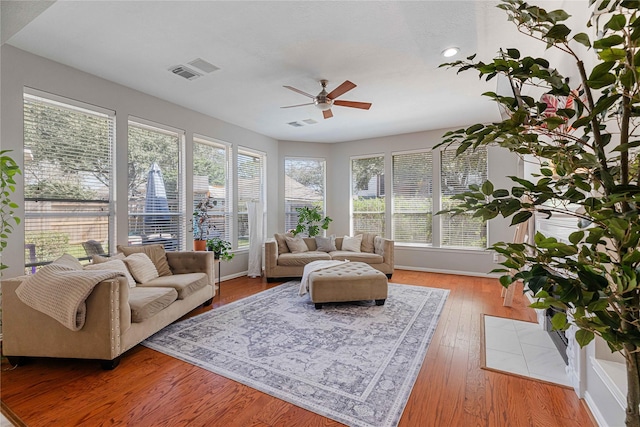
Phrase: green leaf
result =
(576, 237)
(616, 23)
(607, 42)
(506, 281)
(558, 32)
(513, 53)
(559, 321)
(521, 217)
(600, 82)
(583, 39)
(487, 188)
(612, 54)
(584, 337)
(500, 193)
(600, 70)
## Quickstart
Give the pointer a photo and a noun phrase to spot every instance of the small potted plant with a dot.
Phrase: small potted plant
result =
(310, 221)
(220, 248)
(201, 222)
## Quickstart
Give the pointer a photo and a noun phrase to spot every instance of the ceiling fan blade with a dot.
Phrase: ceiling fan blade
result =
(343, 88)
(299, 91)
(298, 105)
(327, 114)
(353, 104)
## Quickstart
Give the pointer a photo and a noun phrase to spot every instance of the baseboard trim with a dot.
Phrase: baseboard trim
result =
(443, 271)
(595, 412)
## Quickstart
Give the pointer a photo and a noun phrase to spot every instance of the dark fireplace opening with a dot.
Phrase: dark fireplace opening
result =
(558, 337)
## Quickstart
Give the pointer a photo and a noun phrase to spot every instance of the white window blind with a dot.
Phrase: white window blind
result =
(156, 202)
(211, 162)
(304, 186)
(367, 195)
(250, 171)
(67, 177)
(412, 197)
(457, 173)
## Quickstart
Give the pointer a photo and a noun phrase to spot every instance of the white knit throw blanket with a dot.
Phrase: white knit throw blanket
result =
(60, 292)
(315, 266)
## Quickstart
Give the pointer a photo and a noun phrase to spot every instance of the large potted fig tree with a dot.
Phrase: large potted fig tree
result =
(585, 135)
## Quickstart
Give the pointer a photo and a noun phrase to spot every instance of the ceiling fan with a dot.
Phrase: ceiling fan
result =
(325, 101)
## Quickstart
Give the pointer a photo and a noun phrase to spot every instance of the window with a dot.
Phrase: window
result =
(156, 202)
(68, 178)
(211, 162)
(367, 195)
(412, 199)
(304, 186)
(457, 174)
(250, 179)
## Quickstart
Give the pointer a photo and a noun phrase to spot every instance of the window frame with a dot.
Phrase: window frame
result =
(385, 223)
(324, 185)
(246, 151)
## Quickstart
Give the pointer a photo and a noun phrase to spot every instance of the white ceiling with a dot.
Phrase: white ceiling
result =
(390, 49)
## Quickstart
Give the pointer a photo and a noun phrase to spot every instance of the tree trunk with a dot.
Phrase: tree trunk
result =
(633, 384)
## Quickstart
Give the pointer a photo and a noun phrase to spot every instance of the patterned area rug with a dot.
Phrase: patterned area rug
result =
(355, 363)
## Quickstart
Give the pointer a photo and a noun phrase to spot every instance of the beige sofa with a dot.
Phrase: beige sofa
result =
(281, 264)
(117, 316)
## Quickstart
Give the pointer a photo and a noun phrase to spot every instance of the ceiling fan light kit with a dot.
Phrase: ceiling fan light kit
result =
(324, 101)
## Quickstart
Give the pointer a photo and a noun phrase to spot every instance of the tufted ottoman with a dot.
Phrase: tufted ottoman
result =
(351, 281)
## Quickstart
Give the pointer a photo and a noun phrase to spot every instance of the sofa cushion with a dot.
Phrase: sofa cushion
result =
(326, 244)
(357, 256)
(114, 265)
(303, 258)
(141, 267)
(156, 253)
(367, 244)
(185, 284)
(282, 242)
(296, 244)
(352, 243)
(68, 261)
(145, 302)
(97, 259)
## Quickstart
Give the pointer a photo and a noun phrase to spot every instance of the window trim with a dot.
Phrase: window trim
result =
(386, 201)
(324, 183)
(247, 151)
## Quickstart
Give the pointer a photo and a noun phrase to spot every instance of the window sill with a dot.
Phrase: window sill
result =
(425, 248)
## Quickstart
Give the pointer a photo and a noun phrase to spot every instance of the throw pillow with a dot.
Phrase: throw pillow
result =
(141, 267)
(282, 242)
(296, 244)
(156, 254)
(97, 259)
(114, 265)
(326, 244)
(68, 261)
(352, 244)
(367, 241)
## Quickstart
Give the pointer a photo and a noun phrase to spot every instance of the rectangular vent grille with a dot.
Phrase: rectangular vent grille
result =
(295, 124)
(185, 72)
(310, 121)
(204, 66)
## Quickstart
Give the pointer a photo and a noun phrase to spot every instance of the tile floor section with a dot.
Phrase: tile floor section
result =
(522, 348)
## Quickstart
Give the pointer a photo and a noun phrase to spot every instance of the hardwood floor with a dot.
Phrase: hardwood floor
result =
(152, 389)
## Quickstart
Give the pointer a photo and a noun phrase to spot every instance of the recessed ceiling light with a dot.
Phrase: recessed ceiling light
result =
(449, 52)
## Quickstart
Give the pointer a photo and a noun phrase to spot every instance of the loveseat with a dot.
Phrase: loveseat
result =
(118, 315)
(281, 263)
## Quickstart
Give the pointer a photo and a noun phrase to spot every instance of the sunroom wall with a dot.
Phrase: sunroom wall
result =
(19, 69)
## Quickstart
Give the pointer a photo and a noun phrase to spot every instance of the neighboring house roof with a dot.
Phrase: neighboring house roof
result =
(297, 192)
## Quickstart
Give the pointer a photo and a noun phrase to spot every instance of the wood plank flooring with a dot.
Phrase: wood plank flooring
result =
(152, 389)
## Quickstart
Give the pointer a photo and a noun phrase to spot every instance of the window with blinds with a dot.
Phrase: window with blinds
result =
(211, 162)
(457, 173)
(367, 195)
(250, 176)
(68, 177)
(304, 186)
(412, 198)
(155, 186)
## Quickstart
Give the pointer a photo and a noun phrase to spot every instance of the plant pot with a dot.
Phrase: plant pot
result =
(200, 245)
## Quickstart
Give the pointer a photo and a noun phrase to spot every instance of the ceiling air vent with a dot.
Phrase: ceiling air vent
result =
(310, 121)
(204, 66)
(185, 72)
(295, 124)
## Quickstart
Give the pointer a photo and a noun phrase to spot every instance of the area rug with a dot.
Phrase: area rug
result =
(355, 363)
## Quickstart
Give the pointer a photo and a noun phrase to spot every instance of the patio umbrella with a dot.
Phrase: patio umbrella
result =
(156, 198)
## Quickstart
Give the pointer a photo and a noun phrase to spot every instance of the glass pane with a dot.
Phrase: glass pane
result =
(304, 186)
(367, 195)
(412, 197)
(250, 176)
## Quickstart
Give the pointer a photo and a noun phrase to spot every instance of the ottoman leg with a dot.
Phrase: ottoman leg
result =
(318, 306)
(380, 301)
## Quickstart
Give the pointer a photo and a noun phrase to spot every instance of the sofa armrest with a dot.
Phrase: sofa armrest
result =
(270, 256)
(193, 262)
(28, 332)
(385, 247)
